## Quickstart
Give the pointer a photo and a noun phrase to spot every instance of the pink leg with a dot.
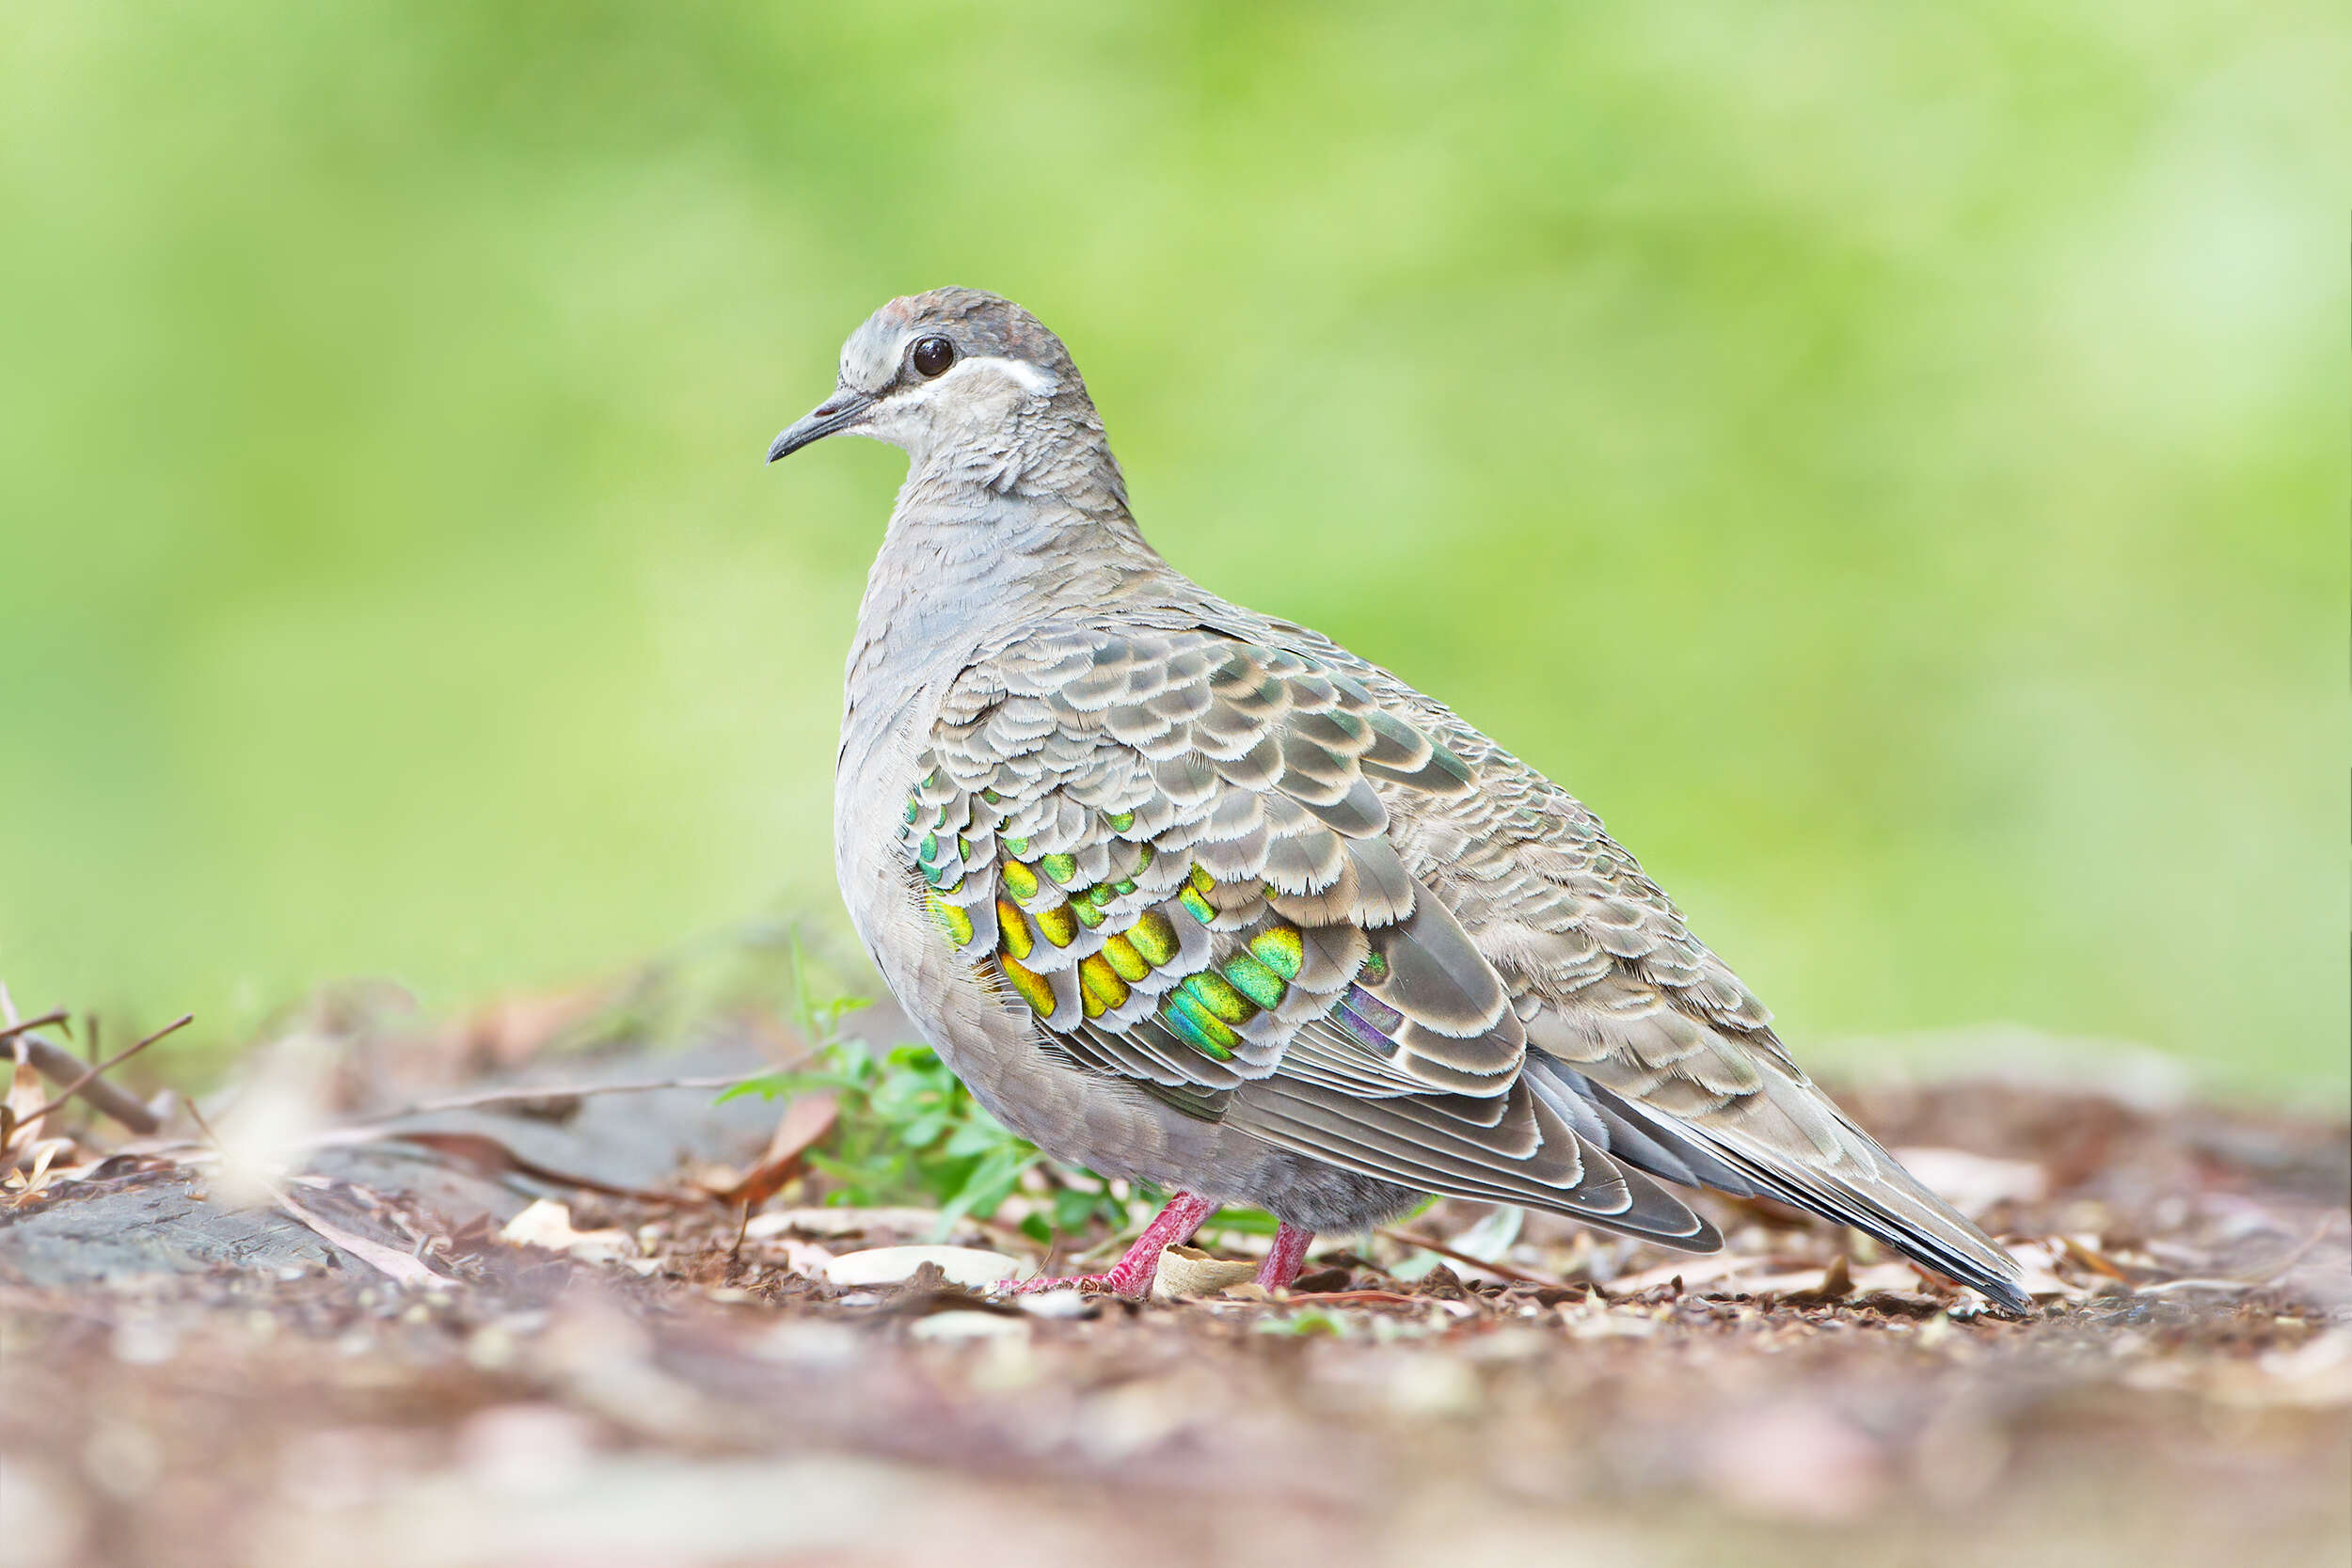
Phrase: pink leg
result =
(1132, 1276)
(1286, 1256)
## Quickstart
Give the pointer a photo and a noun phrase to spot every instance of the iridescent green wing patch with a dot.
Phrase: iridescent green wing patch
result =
(1172, 849)
(948, 837)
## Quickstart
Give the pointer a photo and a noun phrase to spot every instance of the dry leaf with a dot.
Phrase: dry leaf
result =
(548, 1224)
(807, 1258)
(491, 1157)
(44, 1153)
(2085, 1251)
(392, 1263)
(2040, 1279)
(805, 1124)
(1693, 1272)
(26, 1096)
(1187, 1273)
(1491, 1237)
(844, 1222)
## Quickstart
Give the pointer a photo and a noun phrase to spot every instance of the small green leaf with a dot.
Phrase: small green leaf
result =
(768, 1086)
(991, 1182)
(973, 1138)
(1305, 1322)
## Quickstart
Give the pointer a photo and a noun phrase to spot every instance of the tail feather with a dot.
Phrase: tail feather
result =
(1865, 1189)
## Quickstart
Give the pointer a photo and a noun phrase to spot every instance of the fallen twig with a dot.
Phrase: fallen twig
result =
(487, 1154)
(90, 1074)
(60, 1065)
(9, 1032)
(524, 1096)
(1355, 1298)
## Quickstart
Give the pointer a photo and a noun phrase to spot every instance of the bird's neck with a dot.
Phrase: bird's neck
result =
(977, 550)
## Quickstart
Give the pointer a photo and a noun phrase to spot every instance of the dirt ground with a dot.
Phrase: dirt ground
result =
(404, 1362)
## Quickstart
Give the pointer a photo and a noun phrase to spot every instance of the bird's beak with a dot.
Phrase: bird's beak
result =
(842, 411)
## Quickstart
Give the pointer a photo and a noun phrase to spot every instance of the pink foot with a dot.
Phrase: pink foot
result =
(1285, 1258)
(1038, 1284)
(1132, 1275)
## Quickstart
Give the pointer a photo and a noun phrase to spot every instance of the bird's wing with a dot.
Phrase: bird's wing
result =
(1177, 849)
(1628, 1013)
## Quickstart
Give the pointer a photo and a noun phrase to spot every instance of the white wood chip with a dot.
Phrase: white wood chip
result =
(971, 1267)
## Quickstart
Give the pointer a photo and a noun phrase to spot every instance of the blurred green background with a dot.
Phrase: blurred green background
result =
(1890, 460)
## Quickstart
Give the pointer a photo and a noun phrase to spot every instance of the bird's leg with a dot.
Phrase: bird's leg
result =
(1286, 1256)
(1132, 1275)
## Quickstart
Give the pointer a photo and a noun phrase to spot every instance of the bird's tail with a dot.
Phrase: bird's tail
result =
(1790, 1142)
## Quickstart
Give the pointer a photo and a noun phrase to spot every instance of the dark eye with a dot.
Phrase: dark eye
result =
(932, 355)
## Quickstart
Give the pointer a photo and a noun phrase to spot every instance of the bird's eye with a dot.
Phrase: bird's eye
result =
(932, 355)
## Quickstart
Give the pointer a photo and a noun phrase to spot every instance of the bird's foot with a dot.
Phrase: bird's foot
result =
(1132, 1276)
(1041, 1283)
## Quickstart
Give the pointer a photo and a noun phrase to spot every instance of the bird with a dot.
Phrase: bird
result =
(1194, 898)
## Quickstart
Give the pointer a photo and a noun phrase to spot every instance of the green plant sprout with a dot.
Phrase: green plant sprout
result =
(907, 1132)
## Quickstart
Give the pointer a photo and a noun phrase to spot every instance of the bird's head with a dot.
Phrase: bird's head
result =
(954, 370)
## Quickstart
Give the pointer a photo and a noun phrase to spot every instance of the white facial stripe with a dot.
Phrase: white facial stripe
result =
(1033, 379)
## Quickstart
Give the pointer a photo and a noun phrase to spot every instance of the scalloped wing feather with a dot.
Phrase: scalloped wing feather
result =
(1278, 887)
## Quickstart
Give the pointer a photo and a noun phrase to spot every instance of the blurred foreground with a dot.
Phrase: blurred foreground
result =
(430, 1299)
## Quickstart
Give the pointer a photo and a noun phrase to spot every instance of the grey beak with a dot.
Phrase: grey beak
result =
(837, 413)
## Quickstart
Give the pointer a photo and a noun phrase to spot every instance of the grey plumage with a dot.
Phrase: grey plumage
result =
(1197, 897)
